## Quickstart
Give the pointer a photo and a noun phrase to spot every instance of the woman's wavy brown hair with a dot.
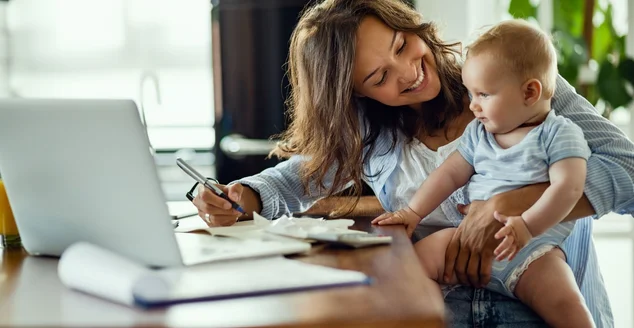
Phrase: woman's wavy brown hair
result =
(324, 111)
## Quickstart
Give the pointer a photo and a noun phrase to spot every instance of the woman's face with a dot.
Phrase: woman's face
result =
(394, 68)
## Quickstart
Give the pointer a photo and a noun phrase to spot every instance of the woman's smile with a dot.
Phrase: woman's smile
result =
(420, 82)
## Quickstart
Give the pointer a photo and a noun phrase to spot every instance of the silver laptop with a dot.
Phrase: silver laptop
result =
(81, 170)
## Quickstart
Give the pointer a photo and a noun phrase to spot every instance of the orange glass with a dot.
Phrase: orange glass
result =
(8, 228)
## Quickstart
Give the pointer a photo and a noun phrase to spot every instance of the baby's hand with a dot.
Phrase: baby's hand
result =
(515, 233)
(403, 216)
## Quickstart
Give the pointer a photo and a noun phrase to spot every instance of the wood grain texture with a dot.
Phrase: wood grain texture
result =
(400, 295)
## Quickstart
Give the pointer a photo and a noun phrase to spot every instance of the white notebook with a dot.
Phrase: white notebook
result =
(99, 272)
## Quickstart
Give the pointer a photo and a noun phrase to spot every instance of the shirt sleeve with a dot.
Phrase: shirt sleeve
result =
(469, 140)
(610, 177)
(281, 189)
(565, 140)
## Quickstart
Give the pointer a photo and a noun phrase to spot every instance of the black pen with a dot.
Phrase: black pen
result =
(205, 182)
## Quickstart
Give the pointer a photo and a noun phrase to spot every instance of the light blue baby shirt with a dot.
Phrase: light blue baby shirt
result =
(500, 169)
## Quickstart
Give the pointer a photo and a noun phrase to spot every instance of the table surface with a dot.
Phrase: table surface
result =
(32, 294)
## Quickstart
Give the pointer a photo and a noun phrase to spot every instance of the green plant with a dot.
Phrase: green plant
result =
(581, 43)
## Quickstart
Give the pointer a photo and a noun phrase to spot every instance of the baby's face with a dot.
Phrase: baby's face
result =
(497, 99)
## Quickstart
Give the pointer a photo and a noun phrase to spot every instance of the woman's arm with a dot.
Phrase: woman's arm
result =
(251, 201)
(515, 202)
(610, 177)
(280, 189)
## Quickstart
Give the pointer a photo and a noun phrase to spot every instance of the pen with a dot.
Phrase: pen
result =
(205, 182)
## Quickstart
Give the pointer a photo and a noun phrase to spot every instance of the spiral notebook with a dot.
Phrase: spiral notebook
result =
(97, 271)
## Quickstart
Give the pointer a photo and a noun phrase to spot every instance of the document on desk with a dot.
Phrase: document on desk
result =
(97, 271)
(280, 229)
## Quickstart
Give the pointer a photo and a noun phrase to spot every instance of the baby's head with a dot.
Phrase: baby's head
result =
(512, 66)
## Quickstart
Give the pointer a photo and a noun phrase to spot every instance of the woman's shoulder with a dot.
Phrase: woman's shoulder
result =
(567, 102)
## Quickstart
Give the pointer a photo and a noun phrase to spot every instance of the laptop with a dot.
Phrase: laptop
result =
(82, 170)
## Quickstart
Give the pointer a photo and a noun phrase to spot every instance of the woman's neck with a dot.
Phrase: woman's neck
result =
(454, 129)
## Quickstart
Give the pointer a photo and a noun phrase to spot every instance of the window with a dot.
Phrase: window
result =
(157, 52)
(120, 49)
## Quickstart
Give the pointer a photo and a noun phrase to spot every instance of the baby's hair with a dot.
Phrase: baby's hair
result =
(525, 50)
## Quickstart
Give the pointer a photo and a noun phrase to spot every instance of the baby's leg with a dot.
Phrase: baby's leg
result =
(549, 288)
(431, 252)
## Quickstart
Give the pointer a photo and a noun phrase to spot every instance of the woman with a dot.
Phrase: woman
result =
(377, 97)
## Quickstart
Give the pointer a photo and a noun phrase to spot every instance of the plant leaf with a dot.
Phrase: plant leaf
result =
(592, 95)
(626, 69)
(605, 40)
(609, 15)
(568, 16)
(571, 53)
(611, 86)
(570, 48)
(570, 73)
(522, 9)
(619, 44)
(602, 41)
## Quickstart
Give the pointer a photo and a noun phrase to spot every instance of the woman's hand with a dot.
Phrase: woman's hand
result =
(403, 216)
(515, 233)
(470, 251)
(216, 211)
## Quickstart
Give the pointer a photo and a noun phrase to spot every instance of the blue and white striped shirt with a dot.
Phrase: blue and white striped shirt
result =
(609, 187)
(498, 169)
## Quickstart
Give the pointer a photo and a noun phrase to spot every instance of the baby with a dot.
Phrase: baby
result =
(515, 140)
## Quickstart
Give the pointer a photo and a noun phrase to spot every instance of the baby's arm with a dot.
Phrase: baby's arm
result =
(452, 174)
(567, 179)
(441, 183)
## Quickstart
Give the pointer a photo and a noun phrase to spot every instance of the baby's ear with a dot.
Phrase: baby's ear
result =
(532, 90)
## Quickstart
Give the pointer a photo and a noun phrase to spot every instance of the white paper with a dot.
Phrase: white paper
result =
(97, 271)
(301, 227)
(261, 228)
(246, 277)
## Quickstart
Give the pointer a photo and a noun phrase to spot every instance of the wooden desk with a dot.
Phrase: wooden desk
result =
(31, 294)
